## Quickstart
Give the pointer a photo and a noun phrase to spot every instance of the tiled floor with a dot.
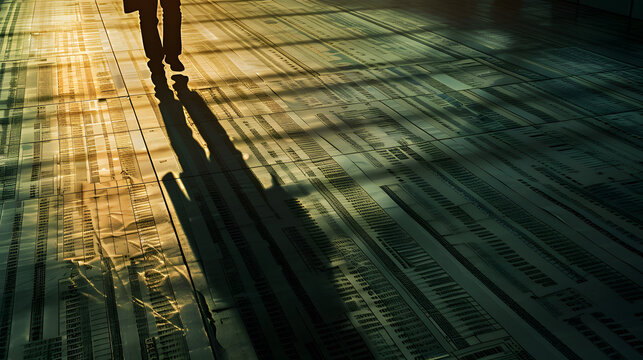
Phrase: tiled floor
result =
(384, 179)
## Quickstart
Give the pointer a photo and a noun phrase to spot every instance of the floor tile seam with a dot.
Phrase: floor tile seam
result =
(85, 136)
(363, 67)
(369, 19)
(62, 103)
(324, 107)
(168, 127)
(520, 81)
(182, 175)
(296, 111)
(571, 77)
(392, 27)
(190, 176)
(161, 127)
(539, 125)
(627, 68)
(329, 156)
(175, 177)
(52, 56)
(546, 32)
(90, 52)
(249, 16)
(266, 83)
(570, 42)
(320, 73)
(382, 102)
(616, 24)
(595, 117)
(321, 108)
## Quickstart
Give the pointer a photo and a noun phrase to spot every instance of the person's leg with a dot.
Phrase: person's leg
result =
(172, 32)
(149, 30)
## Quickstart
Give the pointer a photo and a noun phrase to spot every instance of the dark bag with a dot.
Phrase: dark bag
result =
(131, 5)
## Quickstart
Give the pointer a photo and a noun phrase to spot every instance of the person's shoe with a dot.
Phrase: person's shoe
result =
(175, 63)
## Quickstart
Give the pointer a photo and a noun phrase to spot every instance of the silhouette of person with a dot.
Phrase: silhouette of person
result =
(170, 48)
(268, 217)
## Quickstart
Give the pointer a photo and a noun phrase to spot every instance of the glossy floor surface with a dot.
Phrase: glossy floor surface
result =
(327, 179)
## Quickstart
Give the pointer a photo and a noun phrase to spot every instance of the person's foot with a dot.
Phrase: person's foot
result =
(175, 63)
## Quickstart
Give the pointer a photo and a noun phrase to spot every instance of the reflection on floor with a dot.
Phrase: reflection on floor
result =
(327, 179)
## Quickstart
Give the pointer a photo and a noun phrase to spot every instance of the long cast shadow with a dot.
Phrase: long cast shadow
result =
(278, 284)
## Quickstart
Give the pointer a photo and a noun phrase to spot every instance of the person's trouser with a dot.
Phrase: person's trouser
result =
(171, 46)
